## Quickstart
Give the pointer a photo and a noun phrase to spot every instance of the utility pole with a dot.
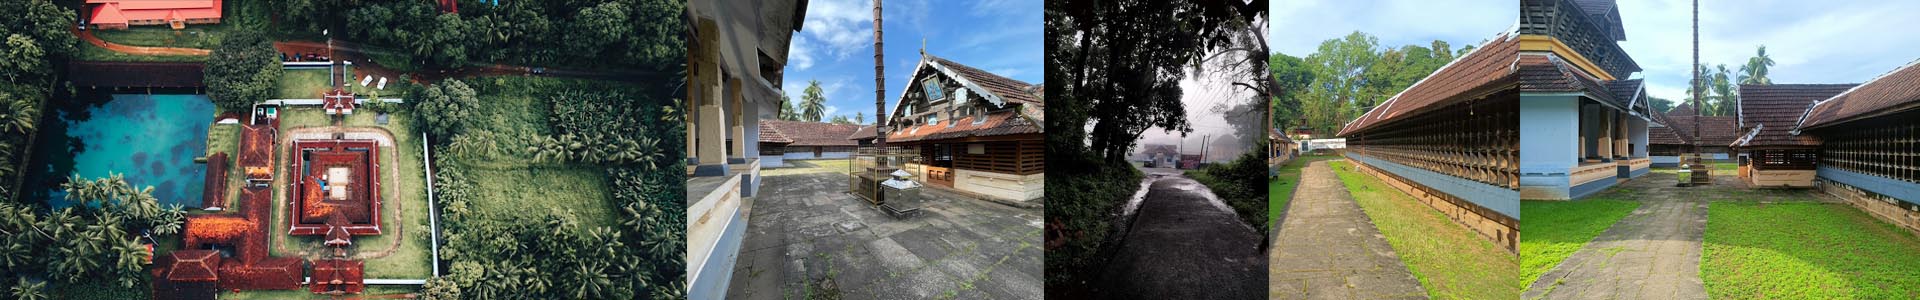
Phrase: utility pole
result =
(1203, 147)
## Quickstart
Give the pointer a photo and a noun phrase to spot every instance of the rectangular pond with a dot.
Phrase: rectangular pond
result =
(151, 139)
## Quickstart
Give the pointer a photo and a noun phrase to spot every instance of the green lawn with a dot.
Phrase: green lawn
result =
(1280, 188)
(510, 184)
(1450, 261)
(810, 166)
(405, 203)
(303, 83)
(372, 292)
(1552, 230)
(226, 138)
(1806, 251)
(89, 52)
(194, 36)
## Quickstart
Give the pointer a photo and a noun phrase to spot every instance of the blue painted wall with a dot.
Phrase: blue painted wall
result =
(1905, 191)
(1500, 200)
(1637, 135)
(1549, 142)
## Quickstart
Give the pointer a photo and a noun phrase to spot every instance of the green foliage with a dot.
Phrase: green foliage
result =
(92, 242)
(1078, 223)
(447, 108)
(1755, 70)
(1290, 75)
(1556, 229)
(242, 71)
(841, 119)
(1240, 183)
(614, 33)
(22, 56)
(1352, 74)
(813, 103)
(28, 290)
(43, 23)
(787, 111)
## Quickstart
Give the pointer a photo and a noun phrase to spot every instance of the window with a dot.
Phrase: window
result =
(976, 148)
(932, 87)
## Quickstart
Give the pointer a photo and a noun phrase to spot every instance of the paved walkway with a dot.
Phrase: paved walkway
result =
(1185, 244)
(1652, 253)
(808, 239)
(1328, 248)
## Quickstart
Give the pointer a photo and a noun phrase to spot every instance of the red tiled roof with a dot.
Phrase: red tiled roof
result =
(1483, 71)
(344, 276)
(1896, 91)
(1774, 108)
(865, 133)
(996, 124)
(1663, 133)
(1007, 88)
(1547, 73)
(122, 11)
(1714, 131)
(808, 133)
(770, 134)
(191, 266)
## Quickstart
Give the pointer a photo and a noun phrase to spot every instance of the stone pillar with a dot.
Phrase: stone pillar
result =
(736, 117)
(1620, 130)
(1604, 139)
(711, 125)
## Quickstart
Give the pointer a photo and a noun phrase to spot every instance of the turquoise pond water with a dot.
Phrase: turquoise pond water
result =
(151, 139)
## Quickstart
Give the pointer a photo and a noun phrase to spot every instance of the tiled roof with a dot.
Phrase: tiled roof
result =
(1715, 130)
(122, 11)
(1662, 131)
(1626, 91)
(1893, 92)
(865, 132)
(1007, 88)
(996, 124)
(192, 265)
(771, 134)
(1772, 110)
(1543, 72)
(1483, 71)
(810, 133)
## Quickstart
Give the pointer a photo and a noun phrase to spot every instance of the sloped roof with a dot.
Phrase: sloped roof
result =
(1274, 133)
(1662, 132)
(192, 266)
(1627, 91)
(1768, 112)
(993, 87)
(1482, 71)
(865, 132)
(995, 124)
(1896, 91)
(1714, 130)
(121, 11)
(1007, 88)
(810, 133)
(771, 134)
(1546, 72)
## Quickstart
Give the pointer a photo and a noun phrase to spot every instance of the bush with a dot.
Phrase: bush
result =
(243, 70)
(1082, 196)
(1242, 184)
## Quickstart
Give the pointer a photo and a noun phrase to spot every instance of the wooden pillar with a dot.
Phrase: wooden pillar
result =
(736, 118)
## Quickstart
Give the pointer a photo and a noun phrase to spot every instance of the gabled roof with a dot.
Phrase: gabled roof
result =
(1768, 112)
(771, 134)
(1601, 12)
(1894, 92)
(998, 90)
(1714, 130)
(865, 133)
(994, 124)
(1274, 133)
(799, 133)
(121, 11)
(1542, 72)
(1483, 71)
(192, 266)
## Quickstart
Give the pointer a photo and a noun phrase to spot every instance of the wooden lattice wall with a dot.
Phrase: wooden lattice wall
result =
(1887, 146)
(1476, 140)
(1784, 159)
(1563, 19)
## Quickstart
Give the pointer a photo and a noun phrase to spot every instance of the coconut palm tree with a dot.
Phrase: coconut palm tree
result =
(19, 116)
(28, 290)
(813, 104)
(1755, 71)
(1725, 93)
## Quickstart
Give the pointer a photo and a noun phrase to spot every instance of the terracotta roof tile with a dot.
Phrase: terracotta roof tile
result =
(1714, 131)
(996, 124)
(810, 133)
(1547, 73)
(771, 134)
(1007, 88)
(1773, 109)
(865, 132)
(1893, 92)
(1483, 71)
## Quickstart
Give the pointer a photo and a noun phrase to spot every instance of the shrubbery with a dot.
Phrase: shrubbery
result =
(1242, 184)
(1079, 220)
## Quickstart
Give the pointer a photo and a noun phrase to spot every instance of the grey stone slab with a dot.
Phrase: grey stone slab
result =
(1329, 249)
(1652, 253)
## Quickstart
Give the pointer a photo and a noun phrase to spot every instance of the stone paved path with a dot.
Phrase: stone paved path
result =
(1652, 253)
(1184, 244)
(1329, 249)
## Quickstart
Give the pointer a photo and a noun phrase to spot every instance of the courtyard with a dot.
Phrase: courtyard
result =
(1649, 238)
(809, 239)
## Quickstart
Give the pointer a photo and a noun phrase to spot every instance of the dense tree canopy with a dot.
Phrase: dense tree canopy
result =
(1347, 76)
(93, 241)
(445, 108)
(626, 33)
(244, 69)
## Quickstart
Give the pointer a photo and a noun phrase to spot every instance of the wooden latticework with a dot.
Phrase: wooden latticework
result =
(1783, 159)
(1887, 146)
(1024, 157)
(1476, 140)
(1563, 20)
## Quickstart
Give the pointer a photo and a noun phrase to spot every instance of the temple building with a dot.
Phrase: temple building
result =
(1715, 135)
(1583, 123)
(1870, 146)
(976, 132)
(336, 193)
(118, 14)
(1771, 154)
(1452, 141)
(783, 140)
(1665, 143)
(736, 56)
(1280, 150)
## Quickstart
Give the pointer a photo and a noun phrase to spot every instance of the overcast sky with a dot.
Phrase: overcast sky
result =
(835, 45)
(1828, 41)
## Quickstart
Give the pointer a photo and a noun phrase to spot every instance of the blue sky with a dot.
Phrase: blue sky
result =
(1829, 41)
(835, 45)
(1300, 25)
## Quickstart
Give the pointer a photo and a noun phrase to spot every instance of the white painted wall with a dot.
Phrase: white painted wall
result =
(1000, 185)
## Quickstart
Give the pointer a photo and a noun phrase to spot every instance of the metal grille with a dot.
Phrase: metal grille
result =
(1475, 140)
(1887, 146)
(1784, 159)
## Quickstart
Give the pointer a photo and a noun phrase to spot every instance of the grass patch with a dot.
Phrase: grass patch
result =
(1553, 230)
(530, 189)
(1806, 251)
(89, 52)
(1450, 261)
(372, 292)
(304, 83)
(194, 36)
(1280, 187)
(225, 138)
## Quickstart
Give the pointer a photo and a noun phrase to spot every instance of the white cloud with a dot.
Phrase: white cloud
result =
(841, 26)
(800, 54)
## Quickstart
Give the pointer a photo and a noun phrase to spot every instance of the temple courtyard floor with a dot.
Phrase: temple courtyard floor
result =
(1648, 238)
(807, 238)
